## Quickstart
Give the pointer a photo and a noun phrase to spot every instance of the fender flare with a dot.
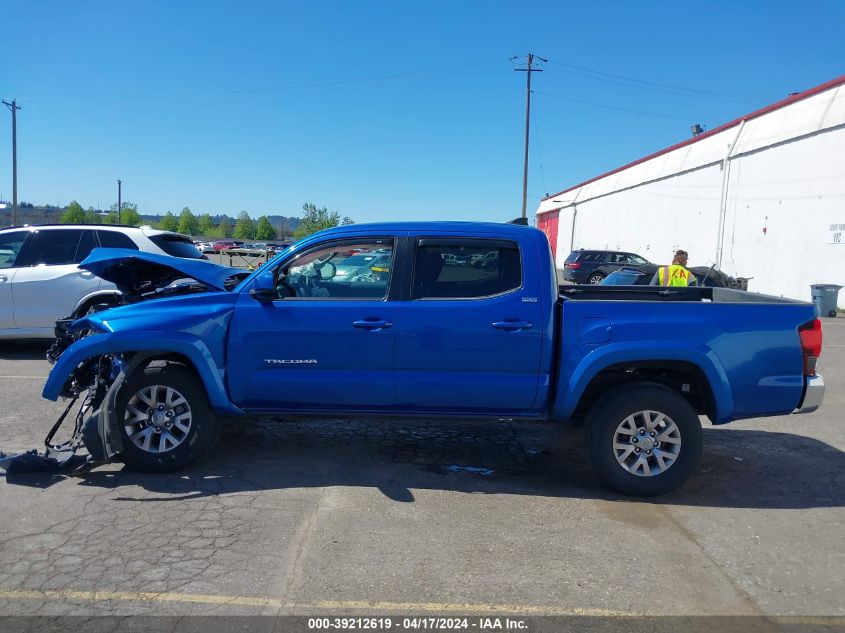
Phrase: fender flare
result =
(571, 389)
(148, 342)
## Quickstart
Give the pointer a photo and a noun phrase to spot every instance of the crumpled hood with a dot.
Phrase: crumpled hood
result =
(136, 272)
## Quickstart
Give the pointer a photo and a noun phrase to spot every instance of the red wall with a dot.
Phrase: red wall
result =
(547, 223)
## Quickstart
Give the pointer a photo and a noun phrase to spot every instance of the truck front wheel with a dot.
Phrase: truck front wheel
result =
(165, 419)
(644, 439)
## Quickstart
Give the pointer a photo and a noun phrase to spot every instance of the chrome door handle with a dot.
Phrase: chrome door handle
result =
(87, 274)
(3, 279)
(512, 325)
(372, 325)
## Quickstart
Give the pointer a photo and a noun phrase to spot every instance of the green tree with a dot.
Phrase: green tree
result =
(264, 230)
(188, 224)
(316, 219)
(244, 227)
(91, 216)
(225, 227)
(128, 214)
(206, 225)
(74, 214)
(168, 222)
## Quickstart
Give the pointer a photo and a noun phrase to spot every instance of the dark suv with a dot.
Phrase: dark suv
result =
(580, 267)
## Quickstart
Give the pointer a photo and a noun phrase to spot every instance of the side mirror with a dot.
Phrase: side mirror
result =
(264, 287)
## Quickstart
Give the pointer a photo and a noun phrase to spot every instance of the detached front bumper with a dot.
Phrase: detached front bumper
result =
(813, 394)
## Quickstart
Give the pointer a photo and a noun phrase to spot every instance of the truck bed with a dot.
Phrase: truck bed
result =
(748, 350)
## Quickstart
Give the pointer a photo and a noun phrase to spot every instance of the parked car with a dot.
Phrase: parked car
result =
(453, 259)
(582, 266)
(487, 260)
(642, 276)
(40, 280)
(276, 246)
(225, 245)
(206, 247)
(426, 341)
(360, 267)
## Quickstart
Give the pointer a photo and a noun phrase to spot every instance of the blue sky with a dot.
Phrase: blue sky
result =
(380, 110)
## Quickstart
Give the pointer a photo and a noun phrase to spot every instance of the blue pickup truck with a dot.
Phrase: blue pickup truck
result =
(452, 318)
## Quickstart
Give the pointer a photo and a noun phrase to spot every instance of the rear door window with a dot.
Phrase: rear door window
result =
(87, 243)
(465, 269)
(10, 246)
(116, 239)
(591, 257)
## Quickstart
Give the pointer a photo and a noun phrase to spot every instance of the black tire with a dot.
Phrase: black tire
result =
(594, 278)
(203, 428)
(609, 413)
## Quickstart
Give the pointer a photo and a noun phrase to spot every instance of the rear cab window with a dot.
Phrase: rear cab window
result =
(456, 268)
(176, 245)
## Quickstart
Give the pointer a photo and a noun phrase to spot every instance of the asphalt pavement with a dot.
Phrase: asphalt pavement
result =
(427, 516)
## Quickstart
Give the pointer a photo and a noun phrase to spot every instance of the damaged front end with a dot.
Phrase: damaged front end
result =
(91, 390)
(91, 365)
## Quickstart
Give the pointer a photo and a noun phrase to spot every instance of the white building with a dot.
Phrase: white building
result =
(762, 196)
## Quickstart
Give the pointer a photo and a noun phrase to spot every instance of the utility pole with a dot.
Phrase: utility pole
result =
(118, 202)
(527, 70)
(14, 107)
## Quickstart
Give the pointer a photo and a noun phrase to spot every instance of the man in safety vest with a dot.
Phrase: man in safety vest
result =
(675, 274)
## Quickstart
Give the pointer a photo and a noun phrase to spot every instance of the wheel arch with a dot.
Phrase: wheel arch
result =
(682, 377)
(693, 373)
(175, 347)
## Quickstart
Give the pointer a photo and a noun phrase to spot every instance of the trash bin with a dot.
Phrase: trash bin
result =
(825, 297)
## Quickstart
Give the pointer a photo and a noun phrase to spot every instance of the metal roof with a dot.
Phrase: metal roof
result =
(707, 148)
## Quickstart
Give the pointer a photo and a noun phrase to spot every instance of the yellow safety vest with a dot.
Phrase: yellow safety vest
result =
(674, 275)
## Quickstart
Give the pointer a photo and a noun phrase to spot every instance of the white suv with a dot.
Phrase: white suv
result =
(40, 281)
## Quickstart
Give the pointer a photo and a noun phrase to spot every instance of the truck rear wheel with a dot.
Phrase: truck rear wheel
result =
(165, 419)
(644, 439)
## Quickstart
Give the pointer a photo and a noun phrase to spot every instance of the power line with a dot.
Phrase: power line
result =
(341, 82)
(610, 107)
(655, 86)
(537, 135)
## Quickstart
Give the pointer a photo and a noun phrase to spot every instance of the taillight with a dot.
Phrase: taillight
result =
(811, 345)
(575, 265)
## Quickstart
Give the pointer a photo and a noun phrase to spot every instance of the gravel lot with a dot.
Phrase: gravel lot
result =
(425, 516)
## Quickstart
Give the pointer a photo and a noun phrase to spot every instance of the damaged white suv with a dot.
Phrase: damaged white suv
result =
(40, 280)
